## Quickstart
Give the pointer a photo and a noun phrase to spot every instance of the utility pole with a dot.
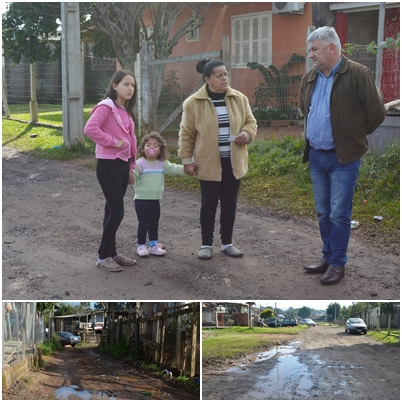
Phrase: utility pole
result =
(3, 84)
(380, 38)
(72, 92)
(335, 314)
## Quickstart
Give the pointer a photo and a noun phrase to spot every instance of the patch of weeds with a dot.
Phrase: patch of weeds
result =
(152, 367)
(120, 350)
(189, 382)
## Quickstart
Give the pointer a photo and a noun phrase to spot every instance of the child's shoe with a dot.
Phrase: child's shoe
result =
(142, 250)
(157, 250)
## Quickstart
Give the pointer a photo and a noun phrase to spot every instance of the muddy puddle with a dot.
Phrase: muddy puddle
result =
(289, 379)
(130, 382)
(73, 392)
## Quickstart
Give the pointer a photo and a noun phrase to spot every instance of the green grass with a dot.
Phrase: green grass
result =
(277, 179)
(119, 351)
(392, 339)
(49, 347)
(48, 113)
(46, 143)
(230, 343)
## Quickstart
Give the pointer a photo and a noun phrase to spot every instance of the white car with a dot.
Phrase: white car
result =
(307, 321)
(355, 325)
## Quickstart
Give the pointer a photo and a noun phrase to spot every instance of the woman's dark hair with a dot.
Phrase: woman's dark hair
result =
(112, 94)
(164, 154)
(206, 67)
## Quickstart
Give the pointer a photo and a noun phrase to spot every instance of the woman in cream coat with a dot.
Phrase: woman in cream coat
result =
(216, 127)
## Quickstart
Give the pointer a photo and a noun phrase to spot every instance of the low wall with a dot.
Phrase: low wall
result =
(11, 375)
(388, 132)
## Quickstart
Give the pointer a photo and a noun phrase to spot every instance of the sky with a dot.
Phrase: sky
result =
(315, 304)
(285, 304)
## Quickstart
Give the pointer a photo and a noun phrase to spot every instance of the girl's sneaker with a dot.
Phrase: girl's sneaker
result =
(142, 250)
(157, 250)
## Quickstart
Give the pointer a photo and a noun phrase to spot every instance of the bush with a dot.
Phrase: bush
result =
(119, 350)
(49, 347)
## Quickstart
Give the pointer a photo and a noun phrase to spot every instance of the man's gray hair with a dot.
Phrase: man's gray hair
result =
(325, 34)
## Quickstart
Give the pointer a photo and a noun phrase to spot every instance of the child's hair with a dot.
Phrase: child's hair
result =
(112, 94)
(164, 154)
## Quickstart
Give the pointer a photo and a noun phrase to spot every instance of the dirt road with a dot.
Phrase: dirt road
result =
(84, 373)
(320, 363)
(52, 218)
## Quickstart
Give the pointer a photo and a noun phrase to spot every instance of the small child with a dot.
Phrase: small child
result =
(149, 175)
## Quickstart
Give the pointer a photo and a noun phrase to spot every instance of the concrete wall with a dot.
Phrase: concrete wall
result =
(388, 132)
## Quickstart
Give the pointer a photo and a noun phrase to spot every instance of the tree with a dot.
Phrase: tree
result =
(118, 29)
(267, 313)
(333, 311)
(304, 312)
(44, 309)
(344, 313)
(65, 309)
(31, 30)
(291, 312)
(83, 306)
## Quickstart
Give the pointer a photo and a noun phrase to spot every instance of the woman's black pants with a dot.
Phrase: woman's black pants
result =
(212, 192)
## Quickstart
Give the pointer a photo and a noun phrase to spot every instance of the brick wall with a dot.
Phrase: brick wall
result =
(12, 374)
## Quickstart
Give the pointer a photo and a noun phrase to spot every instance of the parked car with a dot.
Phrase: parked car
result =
(273, 322)
(289, 322)
(67, 338)
(307, 321)
(355, 325)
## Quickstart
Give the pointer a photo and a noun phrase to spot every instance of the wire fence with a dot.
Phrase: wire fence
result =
(273, 91)
(23, 329)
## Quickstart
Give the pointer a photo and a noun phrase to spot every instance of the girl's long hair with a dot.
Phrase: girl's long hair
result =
(164, 155)
(112, 94)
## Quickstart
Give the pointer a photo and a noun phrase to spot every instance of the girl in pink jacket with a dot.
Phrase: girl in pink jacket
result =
(111, 127)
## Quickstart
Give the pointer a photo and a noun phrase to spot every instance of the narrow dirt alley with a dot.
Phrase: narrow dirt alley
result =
(52, 222)
(320, 363)
(84, 373)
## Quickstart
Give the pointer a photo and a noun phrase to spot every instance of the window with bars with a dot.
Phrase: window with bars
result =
(252, 39)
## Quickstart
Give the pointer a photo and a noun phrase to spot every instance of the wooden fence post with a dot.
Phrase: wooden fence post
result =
(178, 342)
(33, 105)
(194, 340)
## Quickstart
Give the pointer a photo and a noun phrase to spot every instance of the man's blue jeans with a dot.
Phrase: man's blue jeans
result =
(334, 187)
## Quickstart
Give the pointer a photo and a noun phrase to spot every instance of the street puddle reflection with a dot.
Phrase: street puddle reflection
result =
(279, 382)
(71, 393)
